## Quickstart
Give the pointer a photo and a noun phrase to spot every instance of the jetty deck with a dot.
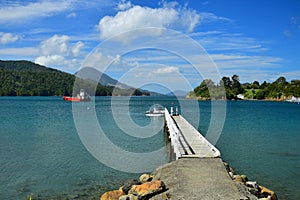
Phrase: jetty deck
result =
(186, 141)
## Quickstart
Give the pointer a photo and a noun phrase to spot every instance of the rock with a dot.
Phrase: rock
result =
(145, 178)
(128, 197)
(238, 178)
(255, 192)
(112, 195)
(147, 189)
(231, 174)
(228, 168)
(252, 184)
(166, 196)
(128, 184)
(244, 177)
(267, 192)
(268, 198)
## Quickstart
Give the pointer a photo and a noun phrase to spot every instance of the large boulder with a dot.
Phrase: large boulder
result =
(128, 184)
(147, 189)
(268, 193)
(145, 178)
(238, 178)
(128, 197)
(112, 195)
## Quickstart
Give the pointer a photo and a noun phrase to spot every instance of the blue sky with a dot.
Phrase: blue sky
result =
(257, 40)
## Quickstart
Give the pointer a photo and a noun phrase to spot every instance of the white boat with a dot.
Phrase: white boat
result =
(156, 111)
(294, 99)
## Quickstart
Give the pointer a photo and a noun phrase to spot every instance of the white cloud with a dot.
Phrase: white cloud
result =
(221, 41)
(19, 12)
(19, 52)
(138, 17)
(210, 17)
(100, 61)
(59, 51)
(50, 60)
(55, 45)
(58, 61)
(76, 49)
(8, 38)
(166, 70)
(72, 15)
(123, 5)
(244, 61)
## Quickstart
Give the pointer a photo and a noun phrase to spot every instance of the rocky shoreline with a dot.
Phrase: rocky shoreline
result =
(161, 185)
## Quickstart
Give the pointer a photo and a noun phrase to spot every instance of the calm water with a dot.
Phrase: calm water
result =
(41, 151)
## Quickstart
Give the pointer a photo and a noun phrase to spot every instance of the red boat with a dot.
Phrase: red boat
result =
(71, 98)
(82, 96)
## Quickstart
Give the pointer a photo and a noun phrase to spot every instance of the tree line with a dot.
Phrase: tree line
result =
(230, 88)
(24, 78)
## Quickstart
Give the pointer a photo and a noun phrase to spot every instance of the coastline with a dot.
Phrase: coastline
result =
(246, 99)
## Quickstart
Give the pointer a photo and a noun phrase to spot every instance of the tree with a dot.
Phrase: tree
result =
(203, 89)
(281, 80)
(255, 85)
(226, 82)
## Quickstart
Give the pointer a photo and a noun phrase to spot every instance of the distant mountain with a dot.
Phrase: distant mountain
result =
(94, 74)
(178, 93)
(105, 80)
(25, 78)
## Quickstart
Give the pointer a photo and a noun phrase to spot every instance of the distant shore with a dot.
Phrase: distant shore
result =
(246, 99)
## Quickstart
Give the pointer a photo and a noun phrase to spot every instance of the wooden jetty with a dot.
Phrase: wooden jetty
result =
(198, 171)
(186, 141)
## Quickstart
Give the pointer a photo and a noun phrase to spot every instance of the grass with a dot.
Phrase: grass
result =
(251, 93)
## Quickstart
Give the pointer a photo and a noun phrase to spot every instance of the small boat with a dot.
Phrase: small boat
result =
(82, 96)
(156, 111)
(294, 100)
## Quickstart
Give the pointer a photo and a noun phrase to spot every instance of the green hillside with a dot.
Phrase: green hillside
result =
(280, 89)
(24, 78)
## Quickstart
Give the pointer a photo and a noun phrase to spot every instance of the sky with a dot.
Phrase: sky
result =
(158, 45)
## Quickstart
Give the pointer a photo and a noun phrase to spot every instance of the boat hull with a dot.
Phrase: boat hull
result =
(155, 114)
(76, 99)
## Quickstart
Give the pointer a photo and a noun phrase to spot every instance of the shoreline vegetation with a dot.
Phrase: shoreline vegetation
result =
(279, 90)
(25, 78)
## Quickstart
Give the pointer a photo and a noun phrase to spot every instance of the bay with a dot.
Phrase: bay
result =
(41, 151)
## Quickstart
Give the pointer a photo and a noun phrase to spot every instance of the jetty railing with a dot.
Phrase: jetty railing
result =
(173, 133)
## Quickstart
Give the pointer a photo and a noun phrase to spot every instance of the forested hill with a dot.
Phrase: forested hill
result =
(279, 90)
(25, 78)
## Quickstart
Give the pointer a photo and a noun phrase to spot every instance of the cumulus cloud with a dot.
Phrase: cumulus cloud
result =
(59, 51)
(76, 49)
(50, 60)
(100, 61)
(8, 38)
(137, 17)
(58, 61)
(55, 45)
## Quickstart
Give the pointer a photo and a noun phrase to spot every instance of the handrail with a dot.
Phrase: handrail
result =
(173, 131)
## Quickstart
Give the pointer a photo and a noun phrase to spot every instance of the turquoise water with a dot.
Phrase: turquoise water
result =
(41, 152)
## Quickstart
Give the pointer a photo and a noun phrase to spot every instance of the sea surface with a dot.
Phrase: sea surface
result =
(50, 149)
